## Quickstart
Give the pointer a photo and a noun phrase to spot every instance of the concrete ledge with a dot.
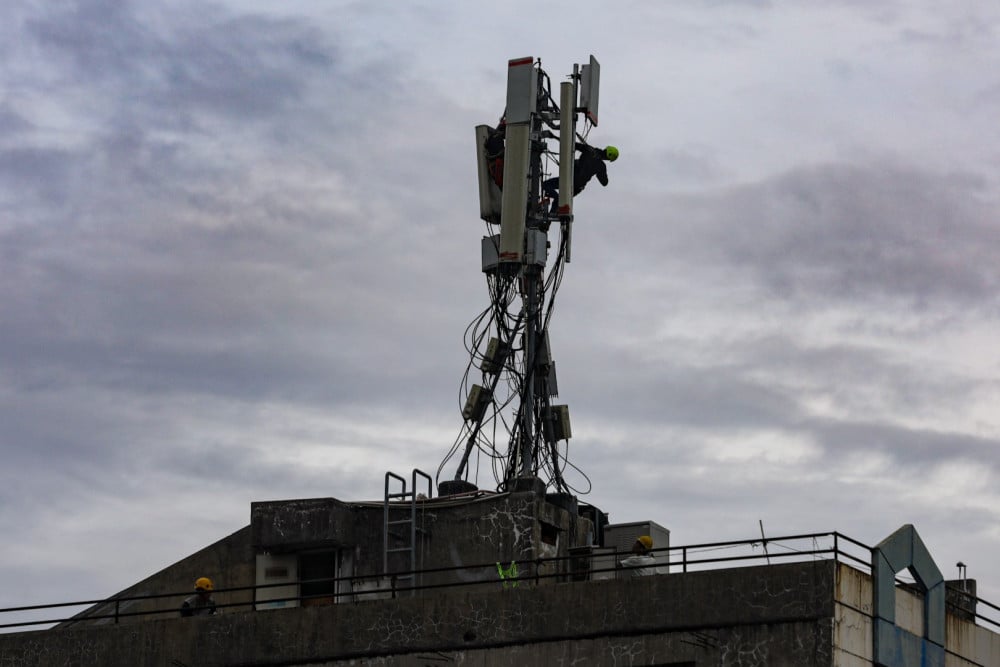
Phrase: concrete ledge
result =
(750, 598)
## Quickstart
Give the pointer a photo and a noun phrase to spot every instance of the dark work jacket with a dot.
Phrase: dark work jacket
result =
(195, 606)
(589, 164)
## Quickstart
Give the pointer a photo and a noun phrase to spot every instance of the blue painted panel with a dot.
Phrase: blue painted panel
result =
(899, 648)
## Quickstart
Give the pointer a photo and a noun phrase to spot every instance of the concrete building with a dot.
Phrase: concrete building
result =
(489, 579)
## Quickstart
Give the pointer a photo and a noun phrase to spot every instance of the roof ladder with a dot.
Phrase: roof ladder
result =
(402, 539)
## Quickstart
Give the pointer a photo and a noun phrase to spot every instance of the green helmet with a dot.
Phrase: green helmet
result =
(612, 153)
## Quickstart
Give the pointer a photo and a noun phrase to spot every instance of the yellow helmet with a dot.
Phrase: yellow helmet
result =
(645, 540)
(612, 153)
(203, 584)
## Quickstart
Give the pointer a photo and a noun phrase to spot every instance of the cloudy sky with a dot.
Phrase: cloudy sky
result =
(239, 246)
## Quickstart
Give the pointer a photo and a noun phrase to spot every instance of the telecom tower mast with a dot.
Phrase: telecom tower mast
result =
(512, 399)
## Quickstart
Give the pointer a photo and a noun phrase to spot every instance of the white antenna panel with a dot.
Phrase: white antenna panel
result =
(590, 86)
(522, 89)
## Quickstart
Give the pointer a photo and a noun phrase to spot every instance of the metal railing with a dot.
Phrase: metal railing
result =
(678, 559)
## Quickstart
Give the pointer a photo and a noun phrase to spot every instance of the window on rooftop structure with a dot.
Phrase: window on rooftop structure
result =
(550, 534)
(317, 572)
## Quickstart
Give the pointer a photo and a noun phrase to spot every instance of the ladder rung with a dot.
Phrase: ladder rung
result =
(401, 549)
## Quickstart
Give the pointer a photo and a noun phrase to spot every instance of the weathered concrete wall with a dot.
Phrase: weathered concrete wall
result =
(778, 615)
(966, 644)
(312, 523)
(450, 533)
(853, 645)
(787, 645)
(229, 563)
(510, 527)
(969, 644)
(502, 527)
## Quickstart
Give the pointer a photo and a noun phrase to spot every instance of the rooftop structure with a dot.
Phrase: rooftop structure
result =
(514, 577)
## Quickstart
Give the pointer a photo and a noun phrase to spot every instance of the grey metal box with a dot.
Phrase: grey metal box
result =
(535, 247)
(491, 253)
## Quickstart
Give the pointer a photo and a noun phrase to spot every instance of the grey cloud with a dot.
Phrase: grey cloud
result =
(686, 166)
(42, 173)
(908, 447)
(213, 318)
(241, 67)
(852, 233)
(760, 4)
(905, 234)
(988, 97)
(953, 33)
(851, 373)
(720, 397)
(99, 37)
(148, 275)
(11, 121)
(722, 401)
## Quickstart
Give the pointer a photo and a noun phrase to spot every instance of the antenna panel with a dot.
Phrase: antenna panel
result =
(590, 84)
(489, 193)
(567, 145)
(491, 253)
(515, 192)
(522, 89)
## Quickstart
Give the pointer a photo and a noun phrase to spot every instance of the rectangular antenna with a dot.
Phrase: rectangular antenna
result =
(567, 145)
(514, 207)
(522, 89)
(522, 95)
(590, 84)
(489, 193)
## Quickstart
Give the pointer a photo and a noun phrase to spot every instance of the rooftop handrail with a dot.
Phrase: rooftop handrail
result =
(678, 558)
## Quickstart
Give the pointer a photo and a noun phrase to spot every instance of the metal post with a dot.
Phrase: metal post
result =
(532, 279)
(528, 397)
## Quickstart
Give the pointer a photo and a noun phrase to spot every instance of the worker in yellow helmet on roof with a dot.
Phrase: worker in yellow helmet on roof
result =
(201, 603)
(641, 562)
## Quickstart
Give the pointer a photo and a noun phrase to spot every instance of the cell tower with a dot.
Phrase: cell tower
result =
(510, 420)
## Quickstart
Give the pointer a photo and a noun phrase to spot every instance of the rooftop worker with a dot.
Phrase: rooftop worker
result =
(201, 603)
(641, 563)
(589, 164)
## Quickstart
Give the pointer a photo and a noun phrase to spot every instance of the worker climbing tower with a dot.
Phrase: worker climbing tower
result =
(511, 422)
